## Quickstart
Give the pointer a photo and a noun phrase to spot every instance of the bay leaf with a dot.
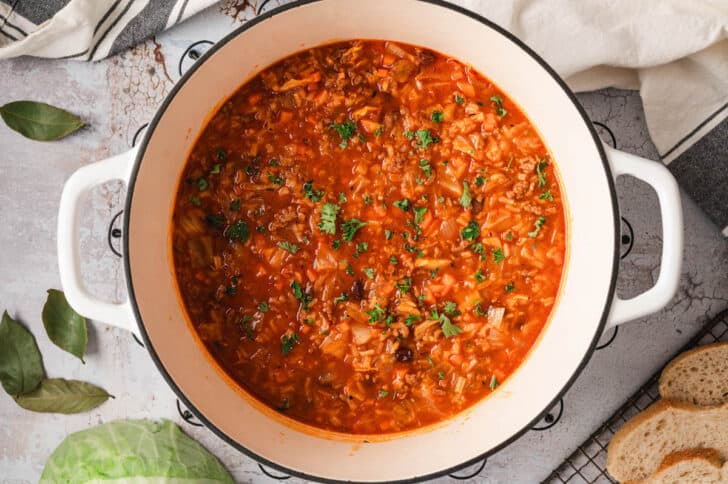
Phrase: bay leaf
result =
(39, 121)
(21, 366)
(58, 395)
(64, 326)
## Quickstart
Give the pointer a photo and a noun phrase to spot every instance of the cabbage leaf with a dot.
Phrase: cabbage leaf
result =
(133, 451)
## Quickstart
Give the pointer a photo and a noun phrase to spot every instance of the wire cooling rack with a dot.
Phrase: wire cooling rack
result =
(588, 464)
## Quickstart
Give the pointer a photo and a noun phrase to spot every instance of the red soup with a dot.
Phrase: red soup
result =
(369, 237)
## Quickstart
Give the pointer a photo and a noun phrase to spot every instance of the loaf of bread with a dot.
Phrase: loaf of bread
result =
(639, 447)
(698, 376)
(694, 466)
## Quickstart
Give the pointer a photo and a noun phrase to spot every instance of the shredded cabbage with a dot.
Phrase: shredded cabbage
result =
(133, 452)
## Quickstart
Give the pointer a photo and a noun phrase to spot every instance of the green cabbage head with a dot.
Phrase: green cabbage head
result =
(133, 452)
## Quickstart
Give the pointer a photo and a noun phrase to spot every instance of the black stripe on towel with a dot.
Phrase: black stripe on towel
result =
(106, 32)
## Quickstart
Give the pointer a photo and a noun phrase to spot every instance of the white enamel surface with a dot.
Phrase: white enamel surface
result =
(558, 353)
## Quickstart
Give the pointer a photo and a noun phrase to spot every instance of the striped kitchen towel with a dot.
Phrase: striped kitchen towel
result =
(674, 51)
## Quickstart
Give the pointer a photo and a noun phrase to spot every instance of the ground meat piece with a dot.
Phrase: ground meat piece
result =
(518, 191)
(357, 290)
(404, 355)
(426, 57)
(476, 206)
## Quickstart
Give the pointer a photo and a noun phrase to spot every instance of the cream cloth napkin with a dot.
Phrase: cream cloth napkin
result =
(674, 51)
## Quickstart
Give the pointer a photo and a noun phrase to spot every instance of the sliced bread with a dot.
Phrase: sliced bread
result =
(698, 376)
(695, 466)
(639, 447)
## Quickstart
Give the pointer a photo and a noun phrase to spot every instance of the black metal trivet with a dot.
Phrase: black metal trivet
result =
(588, 464)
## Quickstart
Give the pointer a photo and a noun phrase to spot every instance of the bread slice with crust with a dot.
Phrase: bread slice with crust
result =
(695, 466)
(698, 376)
(639, 447)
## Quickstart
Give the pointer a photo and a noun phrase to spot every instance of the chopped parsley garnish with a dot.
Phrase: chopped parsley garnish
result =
(404, 285)
(260, 228)
(375, 314)
(247, 327)
(310, 193)
(540, 173)
(437, 116)
(361, 247)
(300, 294)
(216, 169)
(378, 132)
(451, 309)
(409, 134)
(509, 236)
(389, 320)
(471, 231)
(479, 276)
(424, 138)
(346, 130)
(459, 99)
(231, 290)
(441, 375)
(426, 167)
(195, 201)
(546, 195)
(328, 218)
(539, 223)
(369, 272)
(362, 138)
(251, 170)
(383, 393)
(287, 343)
(441, 199)
(479, 310)
(349, 270)
(350, 227)
(388, 234)
(263, 307)
(202, 184)
(340, 299)
(433, 272)
(448, 329)
(221, 155)
(342, 198)
(493, 383)
(419, 215)
(275, 179)
(465, 198)
(273, 162)
(292, 248)
(403, 205)
(498, 101)
(478, 249)
(336, 244)
(367, 199)
(235, 205)
(411, 319)
(479, 181)
(239, 231)
(498, 255)
(393, 260)
(217, 220)
(510, 286)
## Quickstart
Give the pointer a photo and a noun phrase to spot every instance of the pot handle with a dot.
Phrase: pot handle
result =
(69, 261)
(668, 194)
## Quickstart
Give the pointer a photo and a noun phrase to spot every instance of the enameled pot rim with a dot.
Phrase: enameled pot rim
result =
(127, 265)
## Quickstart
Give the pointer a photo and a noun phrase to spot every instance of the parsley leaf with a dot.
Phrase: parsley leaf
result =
(437, 116)
(393, 260)
(328, 218)
(479, 310)
(340, 299)
(235, 205)
(287, 343)
(221, 155)
(300, 294)
(479, 181)
(465, 198)
(369, 272)
(361, 247)
(419, 214)
(411, 319)
(405, 285)
(451, 309)
(275, 179)
(216, 169)
(510, 286)
(546, 195)
(424, 138)
(403, 205)
(342, 198)
(498, 256)
(459, 99)
(478, 249)
(409, 134)
(479, 276)
(263, 307)
(195, 201)
(539, 223)
(383, 393)
(493, 383)
(540, 173)
(202, 184)
(378, 132)
(375, 314)
(238, 231)
(426, 167)
(350, 227)
(310, 193)
(498, 101)
(292, 248)
(388, 234)
(346, 130)
(471, 231)
(448, 329)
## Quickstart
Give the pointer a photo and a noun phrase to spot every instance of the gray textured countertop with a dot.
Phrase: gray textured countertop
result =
(117, 97)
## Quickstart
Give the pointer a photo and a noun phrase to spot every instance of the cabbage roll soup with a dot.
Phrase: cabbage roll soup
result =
(368, 237)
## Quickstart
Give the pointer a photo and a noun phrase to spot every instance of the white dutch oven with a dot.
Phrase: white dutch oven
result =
(587, 303)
